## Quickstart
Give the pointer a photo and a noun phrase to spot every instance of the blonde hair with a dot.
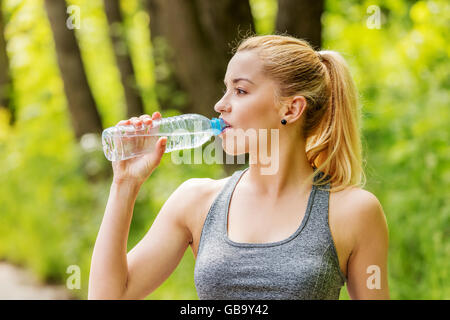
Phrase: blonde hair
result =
(332, 120)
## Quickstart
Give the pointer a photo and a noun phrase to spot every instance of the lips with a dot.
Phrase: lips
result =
(226, 124)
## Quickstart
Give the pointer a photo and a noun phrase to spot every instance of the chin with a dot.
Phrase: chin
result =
(234, 144)
(233, 151)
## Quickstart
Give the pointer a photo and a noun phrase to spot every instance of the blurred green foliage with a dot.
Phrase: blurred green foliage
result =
(402, 71)
(53, 191)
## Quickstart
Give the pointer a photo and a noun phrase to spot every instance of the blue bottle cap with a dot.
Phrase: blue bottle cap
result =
(217, 125)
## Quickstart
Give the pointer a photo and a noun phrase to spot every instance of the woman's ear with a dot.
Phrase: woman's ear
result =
(293, 109)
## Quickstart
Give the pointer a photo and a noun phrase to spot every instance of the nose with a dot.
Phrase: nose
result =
(222, 106)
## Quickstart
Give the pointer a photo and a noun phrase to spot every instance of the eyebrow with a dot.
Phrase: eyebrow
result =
(239, 79)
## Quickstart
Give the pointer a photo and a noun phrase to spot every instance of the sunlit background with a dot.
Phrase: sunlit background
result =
(54, 178)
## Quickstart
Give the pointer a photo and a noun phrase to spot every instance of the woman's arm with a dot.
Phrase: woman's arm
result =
(118, 275)
(159, 252)
(109, 269)
(367, 271)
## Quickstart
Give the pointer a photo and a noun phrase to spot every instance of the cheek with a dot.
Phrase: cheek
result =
(263, 116)
(258, 111)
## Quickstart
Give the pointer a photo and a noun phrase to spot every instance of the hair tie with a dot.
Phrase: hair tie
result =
(319, 55)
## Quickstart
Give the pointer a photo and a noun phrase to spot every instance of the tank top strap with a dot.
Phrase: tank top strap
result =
(213, 225)
(318, 221)
(227, 190)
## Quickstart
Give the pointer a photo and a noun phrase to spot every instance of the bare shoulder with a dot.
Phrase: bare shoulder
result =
(357, 211)
(196, 196)
(356, 200)
(198, 189)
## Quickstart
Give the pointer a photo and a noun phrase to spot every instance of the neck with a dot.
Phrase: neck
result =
(289, 169)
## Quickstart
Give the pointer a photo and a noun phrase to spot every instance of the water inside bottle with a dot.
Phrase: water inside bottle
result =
(132, 143)
(178, 141)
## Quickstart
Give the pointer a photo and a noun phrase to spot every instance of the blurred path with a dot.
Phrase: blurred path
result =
(16, 283)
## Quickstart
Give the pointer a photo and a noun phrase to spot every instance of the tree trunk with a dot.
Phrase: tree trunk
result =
(6, 84)
(301, 19)
(168, 88)
(199, 35)
(135, 105)
(83, 111)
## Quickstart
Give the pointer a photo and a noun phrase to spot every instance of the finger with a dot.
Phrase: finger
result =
(123, 122)
(144, 117)
(147, 139)
(162, 143)
(136, 122)
(154, 158)
(161, 147)
(136, 140)
(156, 115)
(148, 121)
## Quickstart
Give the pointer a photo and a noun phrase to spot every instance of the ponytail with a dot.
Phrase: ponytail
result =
(335, 147)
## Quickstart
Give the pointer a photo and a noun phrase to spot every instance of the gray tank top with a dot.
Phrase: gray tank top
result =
(302, 266)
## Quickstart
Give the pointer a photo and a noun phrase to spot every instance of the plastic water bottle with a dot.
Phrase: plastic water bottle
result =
(182, 132)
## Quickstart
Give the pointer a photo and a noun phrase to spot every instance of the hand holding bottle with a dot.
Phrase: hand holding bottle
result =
(125, 141)
(138, 169)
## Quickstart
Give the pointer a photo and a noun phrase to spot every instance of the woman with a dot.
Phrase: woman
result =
(299, 233)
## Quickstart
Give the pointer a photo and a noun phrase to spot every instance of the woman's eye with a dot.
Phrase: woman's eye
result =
(239, 91)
